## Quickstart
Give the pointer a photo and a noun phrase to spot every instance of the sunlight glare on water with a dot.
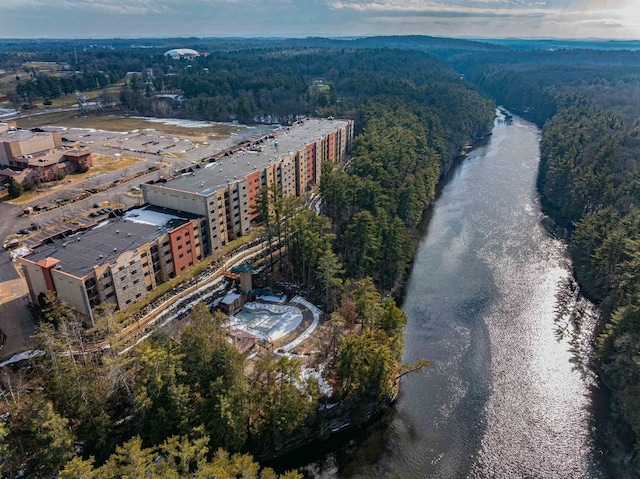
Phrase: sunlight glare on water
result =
(505, 397)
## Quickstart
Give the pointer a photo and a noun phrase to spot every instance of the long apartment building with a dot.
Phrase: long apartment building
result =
(225, 189)
(190, 215)
(118, 261)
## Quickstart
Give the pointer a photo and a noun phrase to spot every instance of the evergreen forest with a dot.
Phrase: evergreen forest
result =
(417, 103)
(190, 405)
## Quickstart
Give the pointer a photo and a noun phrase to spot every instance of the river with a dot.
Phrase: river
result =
(506, 396)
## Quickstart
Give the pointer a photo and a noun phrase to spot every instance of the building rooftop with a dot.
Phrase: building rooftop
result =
(18, 135)
(103, 243)
(214, 176)
(182, 52)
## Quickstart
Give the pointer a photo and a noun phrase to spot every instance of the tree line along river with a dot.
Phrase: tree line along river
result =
(507, 396)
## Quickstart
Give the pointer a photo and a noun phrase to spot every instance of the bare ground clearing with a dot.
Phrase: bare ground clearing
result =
(114, 122)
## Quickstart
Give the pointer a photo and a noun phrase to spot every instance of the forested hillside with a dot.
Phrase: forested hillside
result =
(589, 104)
(183, 398)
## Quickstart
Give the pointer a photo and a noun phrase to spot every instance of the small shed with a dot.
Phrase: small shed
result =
(231, 302)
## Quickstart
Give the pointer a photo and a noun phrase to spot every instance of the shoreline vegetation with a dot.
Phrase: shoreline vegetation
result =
(588, 109)
(417, 103)
(181, 397)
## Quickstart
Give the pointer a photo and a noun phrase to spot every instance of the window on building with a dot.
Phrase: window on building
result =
(138, 295)
(136, 281)
(134, 272)
(110, 295)
(128, 301)
(125, 287)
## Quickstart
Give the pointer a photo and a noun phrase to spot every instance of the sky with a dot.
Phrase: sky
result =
(611, 19)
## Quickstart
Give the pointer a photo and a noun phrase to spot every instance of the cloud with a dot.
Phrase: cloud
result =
(603, 22)
(134, 7)
(455, 8)
(26, 18)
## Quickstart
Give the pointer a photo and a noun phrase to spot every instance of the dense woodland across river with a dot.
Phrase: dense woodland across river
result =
(588, 104)
(414, 113)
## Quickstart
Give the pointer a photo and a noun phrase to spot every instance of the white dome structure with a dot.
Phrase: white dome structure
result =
(177, 53)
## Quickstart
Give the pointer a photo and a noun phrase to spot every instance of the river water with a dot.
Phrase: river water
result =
(506, 397)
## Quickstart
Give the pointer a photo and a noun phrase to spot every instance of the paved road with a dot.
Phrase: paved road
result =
(15, 318)
(7, 271)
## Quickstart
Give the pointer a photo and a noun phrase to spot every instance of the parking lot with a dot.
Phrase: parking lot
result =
(148, 141)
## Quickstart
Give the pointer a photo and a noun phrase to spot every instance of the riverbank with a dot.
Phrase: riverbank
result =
(505, 396)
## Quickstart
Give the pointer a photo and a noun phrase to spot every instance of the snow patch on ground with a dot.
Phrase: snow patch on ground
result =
(324, 386)
(312, 327)
(183, 123)
(273, 299)
(266, 320)
(7, 112)
(171, 313)
(22, 356)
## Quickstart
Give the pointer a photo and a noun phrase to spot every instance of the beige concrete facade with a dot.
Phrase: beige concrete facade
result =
(121, 263)
(225, 191)
(120, 276)
(16, 145)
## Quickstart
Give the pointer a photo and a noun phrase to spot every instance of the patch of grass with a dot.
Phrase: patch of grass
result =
(102, 163)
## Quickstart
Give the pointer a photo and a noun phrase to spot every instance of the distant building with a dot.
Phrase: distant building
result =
(44, 152)
(118, 261)
(8, 125)
(178, 53)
